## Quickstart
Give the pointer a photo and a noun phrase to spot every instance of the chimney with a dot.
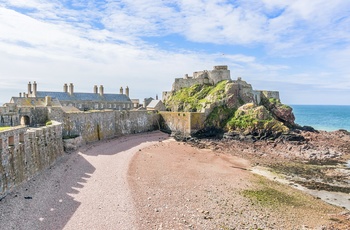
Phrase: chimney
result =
(121, 90)
(20, 94)
(71, 88)
(29, 88)
(48, 101)
(156, 96)
(95, 89)
(34, 89)
(101, 90)
(127, 91)
(65, 88)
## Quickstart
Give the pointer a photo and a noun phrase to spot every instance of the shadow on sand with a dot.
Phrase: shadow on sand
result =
(45, 201)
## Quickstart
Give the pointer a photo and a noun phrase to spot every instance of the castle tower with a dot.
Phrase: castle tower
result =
(65, 88)
(95, 89)
(127, 91)
(121, 91)
(101, 90)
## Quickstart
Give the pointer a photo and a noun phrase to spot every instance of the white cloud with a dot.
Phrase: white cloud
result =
(97, 42)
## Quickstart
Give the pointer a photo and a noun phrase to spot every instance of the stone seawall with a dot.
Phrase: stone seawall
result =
(184, 122)
(98, 125)
(24, 152)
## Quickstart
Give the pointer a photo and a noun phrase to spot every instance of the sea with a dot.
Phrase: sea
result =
(323, 117)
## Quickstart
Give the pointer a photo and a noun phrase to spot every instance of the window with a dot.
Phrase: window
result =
(101, 106)
(11, 141)
(80, 106)
(96, 106)
(21, 137)
(109, 106)
(114, 106)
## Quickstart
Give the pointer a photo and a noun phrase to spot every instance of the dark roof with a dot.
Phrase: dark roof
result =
(61, 96)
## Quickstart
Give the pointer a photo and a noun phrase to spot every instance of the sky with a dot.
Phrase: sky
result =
(300, 48)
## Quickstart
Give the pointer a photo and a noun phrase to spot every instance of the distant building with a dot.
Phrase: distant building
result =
(156, 105)
(97, 100)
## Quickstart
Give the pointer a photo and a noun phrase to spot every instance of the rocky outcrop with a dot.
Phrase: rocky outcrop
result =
(279, 111)
(234, 107)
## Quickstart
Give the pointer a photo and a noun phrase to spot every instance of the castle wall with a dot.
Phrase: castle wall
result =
(99, 125)
(184, 83)
(271, 94)
(215, 76)
(183, 122)
(26, 151)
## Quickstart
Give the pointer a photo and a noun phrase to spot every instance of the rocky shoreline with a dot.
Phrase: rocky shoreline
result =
(316, 160)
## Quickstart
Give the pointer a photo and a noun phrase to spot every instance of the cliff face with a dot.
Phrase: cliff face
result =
(233, 106)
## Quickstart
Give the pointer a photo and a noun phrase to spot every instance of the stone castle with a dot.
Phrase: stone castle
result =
(212, 77)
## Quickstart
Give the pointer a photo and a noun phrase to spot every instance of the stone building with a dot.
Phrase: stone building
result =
(96, 100)
(156, 105)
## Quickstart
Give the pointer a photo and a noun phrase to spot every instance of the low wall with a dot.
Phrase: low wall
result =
(26, 151)
(183, 122)
(98, 125)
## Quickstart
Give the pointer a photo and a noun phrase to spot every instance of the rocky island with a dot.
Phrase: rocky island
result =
(231, 106)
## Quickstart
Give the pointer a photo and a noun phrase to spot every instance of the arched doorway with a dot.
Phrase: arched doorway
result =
(25, 120)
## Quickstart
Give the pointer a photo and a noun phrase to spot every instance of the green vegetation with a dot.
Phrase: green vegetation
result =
(277, 103)
(194, 98)
(4, 128)
(219, 116)
(254, 118)
(48, 123)
(272, 194)
(270, 197)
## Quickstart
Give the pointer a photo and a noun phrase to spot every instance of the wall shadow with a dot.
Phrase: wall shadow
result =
(45, 201)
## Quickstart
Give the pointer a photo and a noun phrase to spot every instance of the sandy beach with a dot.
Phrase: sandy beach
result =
(150, 181)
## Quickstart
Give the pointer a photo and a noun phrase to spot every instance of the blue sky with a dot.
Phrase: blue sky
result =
(300, 48)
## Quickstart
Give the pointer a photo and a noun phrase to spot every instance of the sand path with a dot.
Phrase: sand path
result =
(84, 190)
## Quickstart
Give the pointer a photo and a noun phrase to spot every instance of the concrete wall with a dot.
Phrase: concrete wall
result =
(183, 122)
(26, 151)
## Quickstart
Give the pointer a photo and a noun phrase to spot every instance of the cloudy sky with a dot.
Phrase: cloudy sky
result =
(301, 48)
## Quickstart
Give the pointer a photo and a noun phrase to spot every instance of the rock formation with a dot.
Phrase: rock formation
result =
(233, 106)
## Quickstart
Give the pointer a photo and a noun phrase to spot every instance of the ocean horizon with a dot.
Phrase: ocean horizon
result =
(323, 117)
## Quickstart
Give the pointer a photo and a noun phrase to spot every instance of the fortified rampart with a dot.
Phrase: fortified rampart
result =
(212, 77)
(99, 125)
(184, 122)
(24, 152)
